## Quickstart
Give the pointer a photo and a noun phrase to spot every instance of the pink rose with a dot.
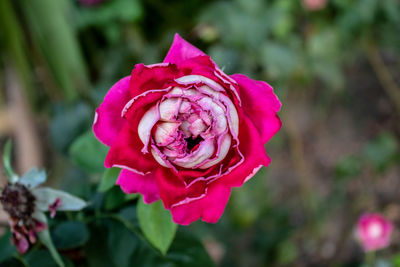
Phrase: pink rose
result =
(314, 5)
(186, 132)
(373, 231)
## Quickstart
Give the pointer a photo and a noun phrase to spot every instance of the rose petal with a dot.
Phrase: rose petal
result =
(254, 154)
(146, 185)
(181, 50)
(169, 108)
(145, 78)
(223, 149)
(147, 123)
(261, 105)
(166, 132)
(205, 150)
(218, 114)
(108, 121)
(158, 158)
(125, 153)
(208, 208)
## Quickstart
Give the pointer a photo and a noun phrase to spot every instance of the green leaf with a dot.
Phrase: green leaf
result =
(89, 153)
(46, 196)
(382, 151)
(122, 244)
(108, 179)
(70, 234)
(45, 238)
(12, 176)
(7, 250)
(187, 250)
(348, 167)
(42, 258)
(156, 224)
(96, 250)
(115, 198)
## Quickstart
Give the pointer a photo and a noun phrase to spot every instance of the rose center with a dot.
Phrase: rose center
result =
(193, 143)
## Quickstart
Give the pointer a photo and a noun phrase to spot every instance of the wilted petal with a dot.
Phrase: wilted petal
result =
(33, 178)
(47, 196)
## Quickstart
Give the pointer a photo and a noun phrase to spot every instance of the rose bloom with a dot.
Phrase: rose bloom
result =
(314, 5)
(186, 132)
(373, 231)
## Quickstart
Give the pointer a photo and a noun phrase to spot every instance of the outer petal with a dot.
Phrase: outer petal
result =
(181, 50)
(209, 208)
(156, 76)
(254, 155)
(146, 185)
(107, 120)
(261, 105)
(125, 153)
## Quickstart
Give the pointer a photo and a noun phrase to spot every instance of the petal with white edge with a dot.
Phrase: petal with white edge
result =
(46, 196)
(147, 122)
(33, 178)
(205, 150)
(169, 108)
(223, 151)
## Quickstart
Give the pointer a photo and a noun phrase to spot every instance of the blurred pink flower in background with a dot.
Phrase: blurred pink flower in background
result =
(374, 231)
(314, 5)
(90, 2)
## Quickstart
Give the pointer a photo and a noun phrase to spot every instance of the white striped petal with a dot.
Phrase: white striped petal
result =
(147, 122)
(205, 150)
(169, 108)
(223, 151)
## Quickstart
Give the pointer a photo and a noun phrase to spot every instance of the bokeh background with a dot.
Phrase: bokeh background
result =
(335, 65)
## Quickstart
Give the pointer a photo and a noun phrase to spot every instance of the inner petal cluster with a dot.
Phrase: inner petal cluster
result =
(190, 127)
